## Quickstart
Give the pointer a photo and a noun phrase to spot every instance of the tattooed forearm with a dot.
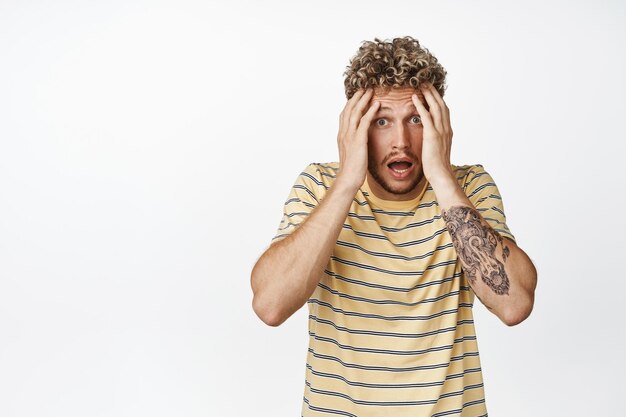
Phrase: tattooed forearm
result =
(476, 245)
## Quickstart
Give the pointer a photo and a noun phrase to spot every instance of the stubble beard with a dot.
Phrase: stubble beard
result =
(374, 170)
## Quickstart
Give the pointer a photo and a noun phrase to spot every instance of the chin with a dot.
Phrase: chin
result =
(395, 186)
(401, 189)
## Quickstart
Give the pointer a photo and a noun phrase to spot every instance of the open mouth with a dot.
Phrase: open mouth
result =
(400, 169)
(400, 166)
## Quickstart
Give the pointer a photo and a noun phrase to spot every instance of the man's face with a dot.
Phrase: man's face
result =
(396, 134)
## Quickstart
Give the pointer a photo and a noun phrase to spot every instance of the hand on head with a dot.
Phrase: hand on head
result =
(437, 136)
(354, 121)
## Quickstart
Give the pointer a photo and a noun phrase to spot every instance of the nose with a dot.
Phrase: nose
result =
(401, 137)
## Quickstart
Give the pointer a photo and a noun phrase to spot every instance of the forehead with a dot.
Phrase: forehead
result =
(396, 98)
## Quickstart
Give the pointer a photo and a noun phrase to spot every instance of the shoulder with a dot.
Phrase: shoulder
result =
(321, 173)
(324, 168)
(316, 178)
(470, 174)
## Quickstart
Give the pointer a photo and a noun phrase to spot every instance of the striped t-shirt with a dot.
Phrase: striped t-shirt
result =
(391, 330)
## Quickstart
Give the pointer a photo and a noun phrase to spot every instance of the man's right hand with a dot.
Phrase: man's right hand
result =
(352, 137)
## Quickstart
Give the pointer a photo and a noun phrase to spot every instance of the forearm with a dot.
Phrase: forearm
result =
(288, 272)
(500, 273)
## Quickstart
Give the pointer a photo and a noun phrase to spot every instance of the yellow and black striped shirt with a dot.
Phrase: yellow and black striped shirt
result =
(391, 330)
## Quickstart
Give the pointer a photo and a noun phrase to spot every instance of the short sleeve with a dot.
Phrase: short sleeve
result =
(304, 196)
(483, 193)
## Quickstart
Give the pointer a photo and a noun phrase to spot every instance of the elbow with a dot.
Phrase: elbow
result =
(264, 309)
(266, 315)
(259, 305)
(514, 316)
(520, 309)
(513, 319)
(269, 301)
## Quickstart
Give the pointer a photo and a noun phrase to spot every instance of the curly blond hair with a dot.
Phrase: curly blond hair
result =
(402, 62)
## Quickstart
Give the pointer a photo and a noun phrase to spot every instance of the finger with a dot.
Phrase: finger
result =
(353, 100)
(359, 108)
(435, 110)
(445, 111)
(435, 94)
(342, 127)
(427, 120)
(347, 110)
(445, 118)
(367, 118)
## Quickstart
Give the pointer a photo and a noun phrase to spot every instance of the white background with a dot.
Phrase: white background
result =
(147, 148)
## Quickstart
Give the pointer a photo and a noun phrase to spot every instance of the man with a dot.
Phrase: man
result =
(388, 247)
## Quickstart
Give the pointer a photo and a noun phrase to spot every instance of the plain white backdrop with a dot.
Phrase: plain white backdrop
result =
(147, 148)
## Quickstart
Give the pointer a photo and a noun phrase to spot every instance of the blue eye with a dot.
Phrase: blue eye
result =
(381, 122)
(416, 119)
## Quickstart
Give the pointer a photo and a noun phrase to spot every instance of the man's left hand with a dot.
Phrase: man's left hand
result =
(437, 140)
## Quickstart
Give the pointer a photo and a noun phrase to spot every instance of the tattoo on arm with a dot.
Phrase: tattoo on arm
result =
(476, 245)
